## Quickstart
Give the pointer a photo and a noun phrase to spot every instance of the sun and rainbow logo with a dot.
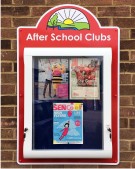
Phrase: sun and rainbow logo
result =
(65, 19)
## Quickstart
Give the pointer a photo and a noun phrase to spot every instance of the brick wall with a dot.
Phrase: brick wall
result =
(27, 12)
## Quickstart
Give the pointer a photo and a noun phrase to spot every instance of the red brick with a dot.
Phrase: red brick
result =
(124, 55)
(127, 67)
(105, 21)
(125, 101)
(96, 2)
(133, 165)
(8, 122)
(76, 2)
(132, 11)
(15, 11)
(8, 100)
(9, 78)
(133, 145)
(14, 44)
(8, 89)
(132, 123)
(50, 166)
(127, 156)
(15, 155)
(7, 133)
(124, 145)
(113, 11)
(128, 134)
(120, 165)
(39, 2)
(56, 2)
(92, 9)
(128, 44)
(15, 111)
(132, 57)
(133, 79)
(8, 55)
(124, 22)
(133, 101)
(125, 79)
(123, 123)
(8, 33)
(127, 112)
(7, 111)
(15, 134)
(15, 67)
(6, 2)
(13, 165)
(6, 155)
(124, 33)
(123, 2)
(8, 145)
(6, 22)
(17, 2)
(127, 90)
(5, 44)
(6, 67)
(133, 33)
(39, 11)
(25, 21)
(80, 166)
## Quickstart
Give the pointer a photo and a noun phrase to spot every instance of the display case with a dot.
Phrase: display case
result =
(68, 90)
(67, 86)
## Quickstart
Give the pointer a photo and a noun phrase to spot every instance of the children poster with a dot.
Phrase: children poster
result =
(68, 123)
(84, 78)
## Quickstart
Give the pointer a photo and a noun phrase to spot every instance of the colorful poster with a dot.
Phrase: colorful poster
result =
(84, 78)
(67, 123)
(52, 79)
(62, 90)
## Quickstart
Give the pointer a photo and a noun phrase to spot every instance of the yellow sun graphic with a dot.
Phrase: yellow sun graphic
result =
(68, 18)
(68, 21)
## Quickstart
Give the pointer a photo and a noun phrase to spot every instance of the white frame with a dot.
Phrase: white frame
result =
(106, 53)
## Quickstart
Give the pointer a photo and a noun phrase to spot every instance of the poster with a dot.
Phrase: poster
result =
(52, 79)
(84, 78)
(68, 123)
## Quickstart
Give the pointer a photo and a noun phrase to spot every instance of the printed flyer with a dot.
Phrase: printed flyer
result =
(84, 78)
(68, 123)
(52, 79)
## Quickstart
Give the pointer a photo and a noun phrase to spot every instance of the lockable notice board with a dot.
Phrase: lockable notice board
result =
(68, 104)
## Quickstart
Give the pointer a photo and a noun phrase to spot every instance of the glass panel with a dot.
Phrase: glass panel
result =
(67, 81)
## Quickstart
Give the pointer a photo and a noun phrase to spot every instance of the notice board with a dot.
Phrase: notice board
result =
(68, 95)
